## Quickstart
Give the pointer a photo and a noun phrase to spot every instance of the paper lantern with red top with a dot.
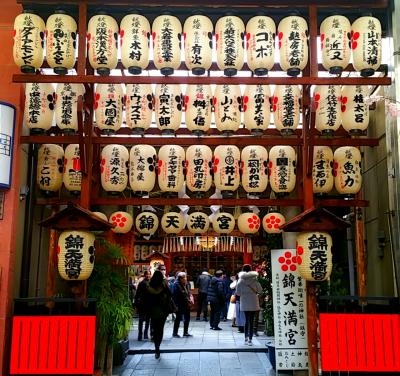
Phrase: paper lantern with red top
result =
(197, 37)
(108, 107)
(75, 254)
(355, 110)
(322, 172)
(39, 107)
(248, 223)
(134, 36)
(171, 159)
(366, 43)
(198, 223)
(335, 43)
(102, 41)
(146, 223)
(198, 108)
(198, 168)
(328, 115)
(142, 169)
(282, 169)
(173, 222)
(254, 159)
(61, 35)
(167, 32)
(228, 107)
(223, 223)
(314, 255)
(122, 221)
(229, 36)
(28, 45)
(256, 108)
(50, 168)
(286, 108)
(139, 107)
(72, 176)
(260, 45)
(347, 170)
(114, 168)
(293, 44)
(67, 106)
(272, 222)
(168, 107)
(226, 169)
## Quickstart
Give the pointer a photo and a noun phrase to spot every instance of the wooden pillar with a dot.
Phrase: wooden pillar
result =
(51, 267)
(360, 255)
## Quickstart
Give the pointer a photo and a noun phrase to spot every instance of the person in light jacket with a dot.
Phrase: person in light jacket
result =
(248, 289)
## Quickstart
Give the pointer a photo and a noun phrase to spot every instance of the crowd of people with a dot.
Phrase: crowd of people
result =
(220, 297)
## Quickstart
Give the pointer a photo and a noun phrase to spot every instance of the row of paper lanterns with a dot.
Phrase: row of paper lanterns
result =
(335, 106)
(227, 167)
(338, 39)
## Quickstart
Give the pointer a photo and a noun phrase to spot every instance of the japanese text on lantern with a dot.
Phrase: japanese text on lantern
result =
(59, 39)
(320, 169)
(372, 44)
(359, 105)
(27, 37)
(166, 40)
(288, 107)
(290, 322)
(67, 95)
(199, 172)
(146, 222)
(259, 100)
(165, 106)
(331, 109)
(282, 164)
(135, 52)
(101, 42)
(196, 57)
(140, 165)
(224, 222)
(201, 105)
(197, 222)
(115, 166)
(295, 52)
(230, 170)
(73, 256)
(334, 42)
(229, 43)
(172, 168)
(318, 256)
(254, 166)
(135, 105)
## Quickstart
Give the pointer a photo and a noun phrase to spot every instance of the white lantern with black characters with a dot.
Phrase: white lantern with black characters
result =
(286, 108)
(223, 223)
(226, 169)
(198, 168)
(139, 107)
(322, 171)
(142, 169)
(355, 109)
(256, 108)
(168, 107)
(228, 107)
(282, 169)
(328, 115)
(198, 108)
(171, 159)
(72, 176)
(146, 223)
(347, 170)
(248, 223)
(122, 222)
(254, 159)
(198, 223)
(172, 222)
(50, 168)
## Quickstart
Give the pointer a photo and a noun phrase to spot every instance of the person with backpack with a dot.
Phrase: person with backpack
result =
(216, 298)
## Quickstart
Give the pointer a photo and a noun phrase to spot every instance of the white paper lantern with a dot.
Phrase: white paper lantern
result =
(314, 255)
(226, 169)
(172, 222)
(260, 35)
(248, 223)
(122, 221)
(198, 165)
(293, 44)
(272, 222)
(170, 168)
(61, 35)
(139, 107)
(75, 255)
(322, 172)
(197, 34)
(67, 106)
(114, 168)
(102, 40)
(335, 43)
(28, 45)
(198, 223)
(136, 253)
(108, 107)
(366, 43)
(254, 159)
(256, 108)
(101, 216)
(144, 252)
(50, 168)
(228, 101)
(347, 170)
(355, 110)
(39, 107)
(198, 108)
(135, 42)
(142, 171)
(168, 107)
(282, 169)
(286, 108)
(167, 32)
(328, 115)
(146, 223)
(229, 35)
(72, 176)
(223, 223)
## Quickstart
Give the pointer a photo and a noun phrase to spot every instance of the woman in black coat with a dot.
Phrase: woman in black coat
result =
(182, 298)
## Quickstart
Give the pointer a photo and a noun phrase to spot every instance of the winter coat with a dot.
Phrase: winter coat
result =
(181, 295)
(216, 292)
(157, 301)
(247, 288)
(140, 302)
(203, 282)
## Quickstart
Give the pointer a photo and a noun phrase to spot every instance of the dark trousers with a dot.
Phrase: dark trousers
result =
(186, 319)
(248, 327)
(146, 320)
(202, 304)
(255, 322)
(224, 310)
(158, 331)
(215, 314)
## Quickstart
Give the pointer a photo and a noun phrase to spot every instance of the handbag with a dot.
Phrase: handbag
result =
(172, 308)
(233, 299)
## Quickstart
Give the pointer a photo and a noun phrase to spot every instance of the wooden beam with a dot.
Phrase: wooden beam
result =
(361, 259)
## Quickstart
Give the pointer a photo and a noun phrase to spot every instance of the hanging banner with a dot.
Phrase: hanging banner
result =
(290, 311)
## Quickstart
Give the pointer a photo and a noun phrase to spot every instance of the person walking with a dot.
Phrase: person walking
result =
(140, 305)
(216, 298)
(248, 289)
(157, 298)
(202, 283)
(182, 298)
